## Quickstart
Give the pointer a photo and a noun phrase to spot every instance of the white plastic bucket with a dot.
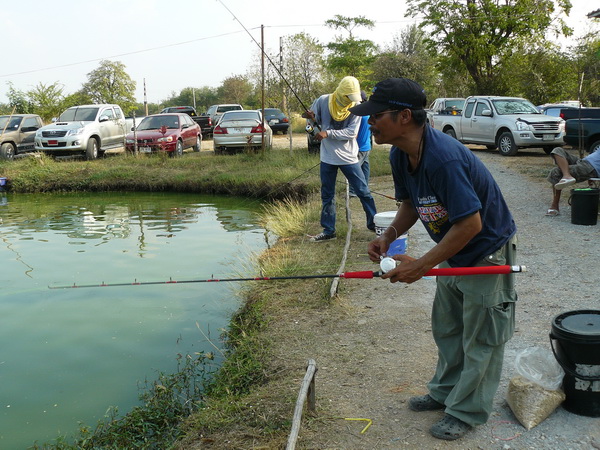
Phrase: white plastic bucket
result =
(382, 221)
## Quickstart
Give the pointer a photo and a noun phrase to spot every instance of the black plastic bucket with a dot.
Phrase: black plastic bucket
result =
(575, 341)
(584, 206)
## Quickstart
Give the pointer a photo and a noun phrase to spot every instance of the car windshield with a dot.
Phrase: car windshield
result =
(270, 113)
(514, 106)
(79, 114)
(241, 115)
(157, 122)
(9, 123)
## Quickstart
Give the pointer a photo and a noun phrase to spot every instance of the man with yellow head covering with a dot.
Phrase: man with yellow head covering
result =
(339, 150)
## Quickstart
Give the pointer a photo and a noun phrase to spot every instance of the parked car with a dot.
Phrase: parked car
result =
(277, 120)
(553, 109)
(240, 130)
(87, 129)
(506, 123)
(446, 107)
(585, 132)
(17, 134)
(203, 120)
(170, 133)
(215, 111)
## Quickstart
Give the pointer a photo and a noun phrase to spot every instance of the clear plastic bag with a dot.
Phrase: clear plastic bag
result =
(539, 366)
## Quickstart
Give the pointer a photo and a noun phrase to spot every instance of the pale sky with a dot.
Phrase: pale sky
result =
(173, 45)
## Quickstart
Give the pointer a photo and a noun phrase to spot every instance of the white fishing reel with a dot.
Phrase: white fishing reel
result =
(386, 264)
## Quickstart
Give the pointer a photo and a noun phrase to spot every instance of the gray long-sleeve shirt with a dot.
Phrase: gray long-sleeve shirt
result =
(339, 147)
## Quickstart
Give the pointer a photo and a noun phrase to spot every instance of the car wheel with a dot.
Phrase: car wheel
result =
(7, 151)
(594, 147)
(285, 131)
(450, 132)
(91, 151)
(196, 147)
(506, 144)
(178, 149)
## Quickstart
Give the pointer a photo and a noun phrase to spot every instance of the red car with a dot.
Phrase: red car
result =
(165, 132)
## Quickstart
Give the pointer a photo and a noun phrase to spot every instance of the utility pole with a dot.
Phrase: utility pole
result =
(262, 71)
(284, 105)
(145, 99)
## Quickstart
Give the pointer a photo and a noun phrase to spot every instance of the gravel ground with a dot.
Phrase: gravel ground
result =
(379, 351)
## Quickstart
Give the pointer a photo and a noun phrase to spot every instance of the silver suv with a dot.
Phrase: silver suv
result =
(88, 129)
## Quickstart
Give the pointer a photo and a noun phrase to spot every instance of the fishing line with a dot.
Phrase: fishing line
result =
(363, 274)
(267, 56)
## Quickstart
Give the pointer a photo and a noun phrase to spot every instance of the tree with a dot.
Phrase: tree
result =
(408, 57)
(109, 83)
(304, 69)
(297, 74)
(481, 33)
(349, 55)
(235, 89)
(586, 56)
(541, 74)
(17, 101)
(46, 100)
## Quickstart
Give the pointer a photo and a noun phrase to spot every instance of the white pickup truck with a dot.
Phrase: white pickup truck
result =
(506, 123)
(444, 107)
(88, 129)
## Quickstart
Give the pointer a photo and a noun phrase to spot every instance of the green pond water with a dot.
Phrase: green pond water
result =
(66, 355)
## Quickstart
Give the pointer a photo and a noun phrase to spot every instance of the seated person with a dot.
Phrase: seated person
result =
(570, 170)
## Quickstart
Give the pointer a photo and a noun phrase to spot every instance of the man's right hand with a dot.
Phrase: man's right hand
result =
(377, 248)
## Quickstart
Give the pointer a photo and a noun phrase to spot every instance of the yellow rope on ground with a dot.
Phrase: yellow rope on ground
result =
(369, 423)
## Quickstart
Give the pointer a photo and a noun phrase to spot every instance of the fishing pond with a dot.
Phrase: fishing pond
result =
(67, 355)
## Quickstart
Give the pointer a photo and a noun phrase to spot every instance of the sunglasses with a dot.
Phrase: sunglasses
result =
(381, 114)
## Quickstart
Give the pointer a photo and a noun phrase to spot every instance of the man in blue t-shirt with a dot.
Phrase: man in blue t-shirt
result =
(441, 183)
(363, 139)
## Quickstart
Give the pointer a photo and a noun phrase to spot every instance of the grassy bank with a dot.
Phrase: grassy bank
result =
(271, 176)
(251, 394)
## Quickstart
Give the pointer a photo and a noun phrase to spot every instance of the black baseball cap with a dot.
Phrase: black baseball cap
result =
(393, 93)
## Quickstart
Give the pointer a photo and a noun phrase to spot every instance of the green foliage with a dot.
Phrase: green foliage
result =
(17, 101)
(235, 89)
(587, 63)
(349, 55)
(482, 33)
(47, 100)
(109, 83)
(542, 75)
(408, 57)
(201, 97)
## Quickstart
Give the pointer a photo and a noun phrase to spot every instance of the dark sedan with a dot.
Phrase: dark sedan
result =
(277, 120)
(170, 133)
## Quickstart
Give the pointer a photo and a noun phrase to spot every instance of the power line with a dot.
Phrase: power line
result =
(122, 54)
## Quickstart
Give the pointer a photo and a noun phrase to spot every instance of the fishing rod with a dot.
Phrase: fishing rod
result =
(268, 58)
(364, 274)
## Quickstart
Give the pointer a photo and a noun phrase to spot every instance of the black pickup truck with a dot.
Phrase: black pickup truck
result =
(582, 127)
(205, 122)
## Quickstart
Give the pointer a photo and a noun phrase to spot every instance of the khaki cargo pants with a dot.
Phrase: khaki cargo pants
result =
(472, 318)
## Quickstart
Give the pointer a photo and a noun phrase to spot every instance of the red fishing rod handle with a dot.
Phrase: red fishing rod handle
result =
(362, 274)
(481, 270)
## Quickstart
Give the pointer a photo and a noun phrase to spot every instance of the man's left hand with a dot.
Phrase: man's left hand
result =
(321, 135)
